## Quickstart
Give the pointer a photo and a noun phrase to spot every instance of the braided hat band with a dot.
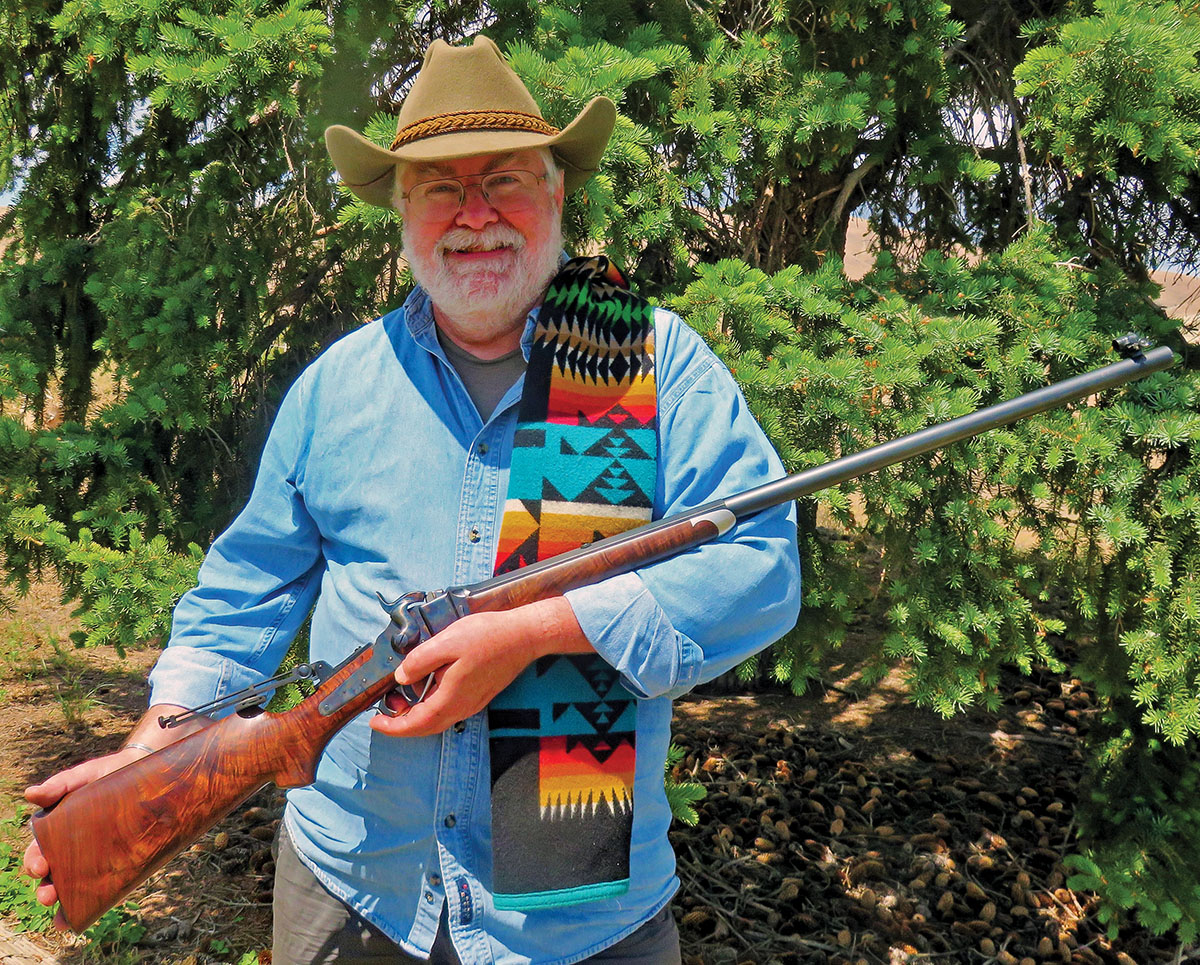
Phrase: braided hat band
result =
(468, 101)
(455, 121)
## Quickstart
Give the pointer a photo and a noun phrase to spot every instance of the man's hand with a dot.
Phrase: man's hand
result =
(48, 793)
(54, 788)
(475, 658)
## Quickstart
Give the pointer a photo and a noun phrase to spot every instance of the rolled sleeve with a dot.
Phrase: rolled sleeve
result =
(682, 621)
(632, 632)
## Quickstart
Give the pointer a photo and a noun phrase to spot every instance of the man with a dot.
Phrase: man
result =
(517, 813)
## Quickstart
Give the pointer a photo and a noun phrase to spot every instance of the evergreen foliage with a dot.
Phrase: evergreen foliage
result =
(682, 794)
(178, 249)
(1114, 107)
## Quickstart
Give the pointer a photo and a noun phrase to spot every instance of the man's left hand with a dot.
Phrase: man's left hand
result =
(475, 658)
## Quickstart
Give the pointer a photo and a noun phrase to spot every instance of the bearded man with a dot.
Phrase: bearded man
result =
(517, 405)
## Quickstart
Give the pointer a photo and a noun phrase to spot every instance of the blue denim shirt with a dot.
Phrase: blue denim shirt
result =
(379, 476)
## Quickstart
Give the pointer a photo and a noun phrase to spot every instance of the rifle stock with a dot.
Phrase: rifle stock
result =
(105, 838)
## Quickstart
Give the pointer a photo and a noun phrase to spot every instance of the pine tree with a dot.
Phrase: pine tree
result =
(172, 265)
(1113, 101)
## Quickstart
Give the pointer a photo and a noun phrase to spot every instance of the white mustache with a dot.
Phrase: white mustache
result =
(492, 237)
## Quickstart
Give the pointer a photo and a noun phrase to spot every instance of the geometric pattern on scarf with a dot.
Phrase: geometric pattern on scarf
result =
(562, 736)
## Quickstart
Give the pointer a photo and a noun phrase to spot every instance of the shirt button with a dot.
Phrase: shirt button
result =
(435, 880)
(483, 448)
(429, 897)
(460, 726)
(450, 821)
(473, 536)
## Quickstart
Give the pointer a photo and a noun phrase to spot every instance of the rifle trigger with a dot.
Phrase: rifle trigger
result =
(398, 637)
(385, 708)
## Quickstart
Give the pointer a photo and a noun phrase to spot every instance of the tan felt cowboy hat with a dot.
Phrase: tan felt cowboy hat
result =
(465, 101)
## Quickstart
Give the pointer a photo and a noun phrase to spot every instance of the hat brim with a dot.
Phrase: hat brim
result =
(368, 170)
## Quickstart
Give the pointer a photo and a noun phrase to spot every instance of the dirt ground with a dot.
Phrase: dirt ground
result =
(843, 827)
(59, 706)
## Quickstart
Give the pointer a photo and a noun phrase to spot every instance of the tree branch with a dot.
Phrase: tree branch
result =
(852, 181)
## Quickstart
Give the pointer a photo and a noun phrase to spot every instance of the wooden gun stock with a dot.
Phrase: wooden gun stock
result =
(103, 839)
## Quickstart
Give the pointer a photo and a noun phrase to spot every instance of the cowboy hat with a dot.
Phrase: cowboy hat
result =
(467, 101)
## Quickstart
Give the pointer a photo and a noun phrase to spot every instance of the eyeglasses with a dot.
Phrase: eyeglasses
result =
(509, 192)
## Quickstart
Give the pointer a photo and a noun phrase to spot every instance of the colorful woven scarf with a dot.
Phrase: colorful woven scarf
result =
(584, 465)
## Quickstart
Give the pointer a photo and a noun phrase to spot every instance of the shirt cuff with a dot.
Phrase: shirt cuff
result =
(187, 676)
(623, 621)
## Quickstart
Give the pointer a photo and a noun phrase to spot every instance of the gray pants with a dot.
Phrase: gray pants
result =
(312, 927)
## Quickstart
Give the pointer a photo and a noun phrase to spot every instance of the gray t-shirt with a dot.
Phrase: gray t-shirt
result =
(486, 380)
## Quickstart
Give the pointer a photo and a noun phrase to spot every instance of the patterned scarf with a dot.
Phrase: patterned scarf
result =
(584, 466)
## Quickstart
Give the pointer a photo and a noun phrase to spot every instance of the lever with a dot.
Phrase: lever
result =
(253, 695)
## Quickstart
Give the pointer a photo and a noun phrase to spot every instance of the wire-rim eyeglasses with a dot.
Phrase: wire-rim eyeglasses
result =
(506, 191)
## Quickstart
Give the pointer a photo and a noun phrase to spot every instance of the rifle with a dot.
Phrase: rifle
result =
(104, 839)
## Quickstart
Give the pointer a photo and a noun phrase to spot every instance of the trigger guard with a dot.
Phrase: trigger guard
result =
(383, 707)
(408, 694)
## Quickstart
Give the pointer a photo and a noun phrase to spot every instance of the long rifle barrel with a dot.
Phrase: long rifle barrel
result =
(939, 436)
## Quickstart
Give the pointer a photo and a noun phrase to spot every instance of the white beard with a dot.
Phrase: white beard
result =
(486, 301)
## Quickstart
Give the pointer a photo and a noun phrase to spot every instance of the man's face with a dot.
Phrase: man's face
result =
(481, 264)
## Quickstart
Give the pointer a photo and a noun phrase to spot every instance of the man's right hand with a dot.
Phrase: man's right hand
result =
(48, 793)
(53, 789)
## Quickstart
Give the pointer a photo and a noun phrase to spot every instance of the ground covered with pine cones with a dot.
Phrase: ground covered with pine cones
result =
(842, 827)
